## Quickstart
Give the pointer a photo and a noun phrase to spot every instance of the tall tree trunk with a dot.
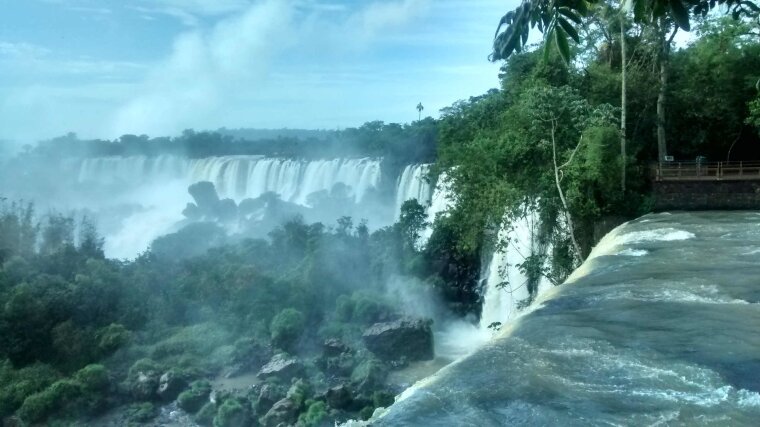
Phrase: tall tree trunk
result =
(664, 59)
(623, 102)
(568, 217)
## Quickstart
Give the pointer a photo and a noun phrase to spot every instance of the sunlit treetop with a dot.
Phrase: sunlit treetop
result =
(558, 19)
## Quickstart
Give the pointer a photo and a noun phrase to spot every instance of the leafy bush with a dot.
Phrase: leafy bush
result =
(93, 377)
(286, 328)
(193, 399)
(141, 412)
(206, 414)
(232, 413)
(39, 406)
(16, 386)
(314, 416)
(112, 337)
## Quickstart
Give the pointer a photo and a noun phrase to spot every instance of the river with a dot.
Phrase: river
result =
(660, 326)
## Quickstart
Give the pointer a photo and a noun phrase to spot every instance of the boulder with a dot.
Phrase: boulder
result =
(204, 194)
(334, 347)
(284, 412)
(338, 397)
(410, 339)
(267, 397)
(145, 385)
(281, 366)
(170, 385)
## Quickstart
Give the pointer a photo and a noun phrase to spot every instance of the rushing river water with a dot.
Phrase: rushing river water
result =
(661, 326)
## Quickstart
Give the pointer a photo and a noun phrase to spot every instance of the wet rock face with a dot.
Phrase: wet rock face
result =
(284, 412)
(338, 397)
(170, 385)
(281, 366)
(410, 339)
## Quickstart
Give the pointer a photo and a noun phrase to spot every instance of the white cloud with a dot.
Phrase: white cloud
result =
(22, 50)
(207, 68)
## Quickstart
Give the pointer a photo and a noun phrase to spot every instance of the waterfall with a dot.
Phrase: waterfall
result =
(441, 201)
(506, 287)
(413, 184)
(239, 177)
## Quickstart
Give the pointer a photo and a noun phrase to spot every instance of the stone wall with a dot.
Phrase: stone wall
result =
(706, 195)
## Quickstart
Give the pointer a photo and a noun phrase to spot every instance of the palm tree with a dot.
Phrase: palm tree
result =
(419, 110)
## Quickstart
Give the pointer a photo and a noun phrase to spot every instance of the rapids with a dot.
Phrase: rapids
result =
(658, 327)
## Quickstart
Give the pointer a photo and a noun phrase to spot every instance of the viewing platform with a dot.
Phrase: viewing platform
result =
(706, 186)
(707, 171)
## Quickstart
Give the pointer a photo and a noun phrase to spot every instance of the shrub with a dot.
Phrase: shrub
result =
(205, 416)
(141, 412)
(112, 337)
(286, 327)
(193, 399)
(39, 406)
(313, 416)
(16, 386)
(93, 377)
(232, 414)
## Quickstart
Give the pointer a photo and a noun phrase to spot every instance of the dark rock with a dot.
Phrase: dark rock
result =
(284, 412)
(145, 385)
(369, 375)
(406, 338)
(340, 366)
(281, 366)
(338, 397)
(170, 385)
(204, 194)
(226, 210)
(267, 397)
(334, 347)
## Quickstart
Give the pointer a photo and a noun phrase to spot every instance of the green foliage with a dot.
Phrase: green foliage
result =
(141, 412)
(17, 385)
(41, 405)
(206, 414)
(287, 326)
(232, 413)
(93, 378)
(314, 416)
(193, 399)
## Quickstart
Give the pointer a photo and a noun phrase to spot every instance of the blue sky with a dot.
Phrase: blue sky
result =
(103, 68)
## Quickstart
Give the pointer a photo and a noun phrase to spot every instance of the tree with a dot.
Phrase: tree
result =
(419, 111)
(558, 20)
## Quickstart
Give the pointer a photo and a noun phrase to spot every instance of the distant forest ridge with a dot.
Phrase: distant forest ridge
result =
(402, 143)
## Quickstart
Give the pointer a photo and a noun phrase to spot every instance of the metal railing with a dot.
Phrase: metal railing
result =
(707, 171)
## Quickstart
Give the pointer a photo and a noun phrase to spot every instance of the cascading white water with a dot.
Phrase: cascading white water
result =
(413, 185)
(441, 201)
(240, 177)
(505, 285)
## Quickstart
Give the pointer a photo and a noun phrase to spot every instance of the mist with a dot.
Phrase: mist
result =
(233, 212)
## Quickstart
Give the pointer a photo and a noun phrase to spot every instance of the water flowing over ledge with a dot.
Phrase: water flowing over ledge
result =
(668, 335)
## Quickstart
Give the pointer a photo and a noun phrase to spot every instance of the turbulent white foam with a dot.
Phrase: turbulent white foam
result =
(441, 201)
(239, 177)
(657, 235)
(633, 252)
(506, 286)
(412, 184)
